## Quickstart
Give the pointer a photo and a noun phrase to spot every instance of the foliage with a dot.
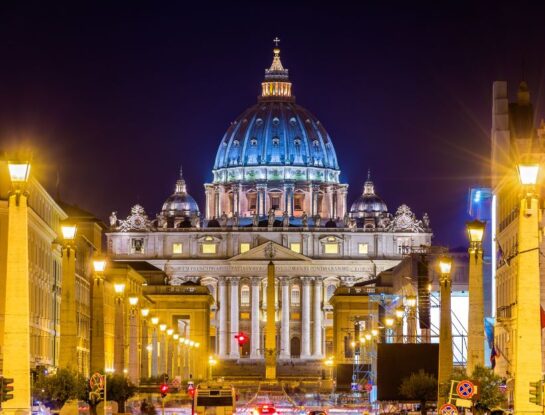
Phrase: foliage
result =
(458, 373)
(421, 387)
(119, 388)
(56, 389)
(488, 383)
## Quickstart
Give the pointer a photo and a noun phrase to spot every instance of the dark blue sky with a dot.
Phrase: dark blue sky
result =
(117, 96)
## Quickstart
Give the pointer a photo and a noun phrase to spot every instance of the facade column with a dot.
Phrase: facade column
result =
(234, 352)
(170, 355)
(285, 352)
(261, 199)
(445, 336)
(475, 329)
(209, 191)
(175, 356)
(288, 197)
(255, 351)
(305, 319)
(134, 376)
(163, 351)
(119, 342)
(318, 287)
(236, 199)
(222, 335)
(144, 352)
(154, 353)
(217, 202)
(68, 355)
(98, 358)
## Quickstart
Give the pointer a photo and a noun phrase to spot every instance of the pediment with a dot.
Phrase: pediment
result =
(270, 251)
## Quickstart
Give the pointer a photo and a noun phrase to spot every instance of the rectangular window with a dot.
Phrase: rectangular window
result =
(244, 247)
(295, 247)
(275, 202)
(331, 248)
(177, 248)
(208, 248)
(137, 246)
(252, 201)
(363, 248)
(298, 202)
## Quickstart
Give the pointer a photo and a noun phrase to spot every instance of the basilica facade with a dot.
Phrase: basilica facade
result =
(276, 195)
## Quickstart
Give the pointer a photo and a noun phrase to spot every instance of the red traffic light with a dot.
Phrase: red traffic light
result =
(191, 390)
(242, 339)
(164, 390)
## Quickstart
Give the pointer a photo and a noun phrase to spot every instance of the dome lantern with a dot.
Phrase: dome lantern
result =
(276, 84)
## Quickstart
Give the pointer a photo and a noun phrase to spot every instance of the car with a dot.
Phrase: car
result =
(264, 409)
(317, 412)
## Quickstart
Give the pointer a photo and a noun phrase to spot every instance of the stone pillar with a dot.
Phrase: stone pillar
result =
(133, 374)
(475, 329)
(163, 353)
(223, 332)
(285, 352)
(234, 351)
(411, 324)
(144, 352)
(175, 358)
(527, 334)
(154, 353)
(236, 199)
(305, 319)
(255, 351)
(261, 199)
(270, 340)
(445, 336)
(217, 206)
(318, 287)
(288, 197)
(210, 204)
(98, 358)
(170, 355)
(334, 203)
(119, 342)
(68, 353)
(16, 349)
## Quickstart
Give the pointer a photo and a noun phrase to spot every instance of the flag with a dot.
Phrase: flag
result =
(493, 355)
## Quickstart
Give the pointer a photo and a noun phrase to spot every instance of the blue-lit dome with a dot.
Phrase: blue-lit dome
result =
(276, 133)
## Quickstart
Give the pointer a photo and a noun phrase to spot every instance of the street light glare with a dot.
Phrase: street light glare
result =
(68, 232)
(19, 171)
(528, 174)
(99, 265)
(445, 265)
(475, 231)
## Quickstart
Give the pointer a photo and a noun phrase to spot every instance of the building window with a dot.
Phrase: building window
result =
(275, 201)
(298, 200)
(295, 295)
(331, 248)
(363, 248)
(208, 248)
(245, 295)
(137, 246)
(295, 247)
(330, 291)
(177, 248)
(244, 247)
(252, 201)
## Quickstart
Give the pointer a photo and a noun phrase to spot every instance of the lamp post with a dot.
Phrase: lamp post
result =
(17, 317)
(98, 356)
(445, 328)
(133, 339)
(144, 349)
(475, 338)
(211, 363)
(68, 356)
(119, 344)
(154, 348)
(527, 338)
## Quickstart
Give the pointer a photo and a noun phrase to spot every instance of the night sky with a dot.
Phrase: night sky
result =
(116, 97)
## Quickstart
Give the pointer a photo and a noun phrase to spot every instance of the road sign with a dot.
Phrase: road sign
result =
(96, 381)
(465, 389)
(448, 409)
(368, 387)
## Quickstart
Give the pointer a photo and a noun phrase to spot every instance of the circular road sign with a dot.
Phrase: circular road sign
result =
(448, 409)
(465, 389)
(96, 381)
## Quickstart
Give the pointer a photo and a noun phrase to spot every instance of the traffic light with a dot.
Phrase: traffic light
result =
(164, 390)
(6, 389)
(536, 392)
(242, 339)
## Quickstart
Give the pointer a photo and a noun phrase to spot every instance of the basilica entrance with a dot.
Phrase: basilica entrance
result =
(295, 347)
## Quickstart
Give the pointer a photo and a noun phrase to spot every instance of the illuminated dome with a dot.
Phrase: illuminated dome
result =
(276, 139)
(368, 204)
(180, 203)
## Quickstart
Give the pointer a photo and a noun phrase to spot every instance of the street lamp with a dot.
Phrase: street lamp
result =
(527, 342)
(119, 342)
(133, 300)
(445, 327)
(16, 348)
(119, 288)
(475, 329)
(155, 320)
(68, 231)
(170, 332)
(144, 312)
(99, 265)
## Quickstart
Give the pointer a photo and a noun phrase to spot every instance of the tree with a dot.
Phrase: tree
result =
(119, 389)
(489, 394)
(58, 388)
(421, 387)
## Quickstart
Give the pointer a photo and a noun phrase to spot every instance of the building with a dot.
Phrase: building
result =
(276, 195)
(515, 137)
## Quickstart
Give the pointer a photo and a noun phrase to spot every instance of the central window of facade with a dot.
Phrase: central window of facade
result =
(295, 295)
(275, 200)
(331, 248)
(298, 200)
(245, 295)
(252, 201)
(244, 247)
(363, 248)
(177, 248)
(208, 248)
(295, 247)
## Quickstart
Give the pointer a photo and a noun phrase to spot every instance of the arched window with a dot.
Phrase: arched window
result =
(244, 295)
(295, 295)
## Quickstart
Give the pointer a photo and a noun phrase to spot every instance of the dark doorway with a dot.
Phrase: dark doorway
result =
(295, 347)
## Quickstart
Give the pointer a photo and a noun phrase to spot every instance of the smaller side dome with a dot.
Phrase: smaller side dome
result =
(180, 204)
(369, 204)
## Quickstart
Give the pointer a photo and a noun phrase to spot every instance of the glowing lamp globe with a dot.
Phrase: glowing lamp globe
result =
(445, 265)
(19, 171)
(170, 332)
(389, 321)
(68, 231)
(368, 336)
(475, 231)
(155, 320)
(99, 265)
(399, 313)
(175, 336)
(411, 301)
(144, 312)
(133, 300)
(119, 288)
(162, 327)
(528, 174)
